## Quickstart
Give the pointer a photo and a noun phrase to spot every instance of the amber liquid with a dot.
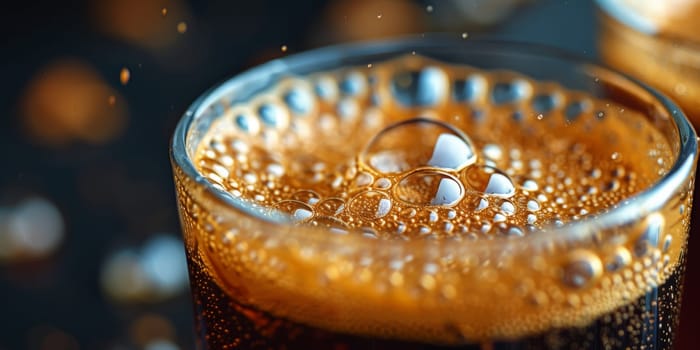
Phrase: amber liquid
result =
(222, 323)
(389, 238)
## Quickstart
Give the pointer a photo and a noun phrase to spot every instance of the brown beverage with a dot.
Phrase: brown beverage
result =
(663, 36)
(414, 204)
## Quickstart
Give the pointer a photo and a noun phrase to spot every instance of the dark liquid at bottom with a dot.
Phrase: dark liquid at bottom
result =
(221, 323)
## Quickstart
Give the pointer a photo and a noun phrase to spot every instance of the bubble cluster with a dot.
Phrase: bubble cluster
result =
(416, 150)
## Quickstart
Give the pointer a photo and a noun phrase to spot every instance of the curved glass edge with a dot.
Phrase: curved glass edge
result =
(634, 208)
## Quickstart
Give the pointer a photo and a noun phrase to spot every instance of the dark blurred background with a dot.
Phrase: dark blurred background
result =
(90, 254)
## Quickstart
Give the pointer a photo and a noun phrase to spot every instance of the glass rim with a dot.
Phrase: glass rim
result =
(630, 209)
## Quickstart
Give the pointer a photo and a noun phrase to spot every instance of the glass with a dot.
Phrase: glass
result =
(663, 39)
(609, 279)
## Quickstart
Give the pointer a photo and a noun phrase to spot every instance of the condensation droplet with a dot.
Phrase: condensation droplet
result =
(667, 243)
(582, 269)
(619, 258)
(650, 236)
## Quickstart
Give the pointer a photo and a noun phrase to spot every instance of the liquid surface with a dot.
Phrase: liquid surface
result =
(410, 165)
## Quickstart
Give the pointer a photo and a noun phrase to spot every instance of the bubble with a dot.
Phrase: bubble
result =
(426, 87)
(469, 89)
(299, 100)
(363, 179)
(275, 170)
(482, 204)
(370, 205)
(582, 269)
(650, 236)
(667, 243)
(619, 258)
(532, 205)
(247, 123)
(348, 109)
(326, 88)
(354, 83)
(510, 92)
(530, 185)
(492, 152)
(515, 232)
(429, 187)
(508, 208)
(272, 114)
(489, 180)
(299, 211)
(498, 217)
(383, 183)
(574, 109)
(416, 143)
(545, 103)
